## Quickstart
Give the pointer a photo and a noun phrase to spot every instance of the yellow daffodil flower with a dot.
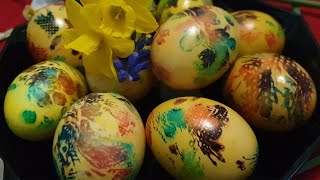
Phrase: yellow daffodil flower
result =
(102, 30)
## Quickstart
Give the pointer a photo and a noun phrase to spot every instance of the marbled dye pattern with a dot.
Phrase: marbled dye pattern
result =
(44, 36)
(272, 92)
(190, 138)
(107, 141)
(40, 95)
(259, 32)
(201, 41)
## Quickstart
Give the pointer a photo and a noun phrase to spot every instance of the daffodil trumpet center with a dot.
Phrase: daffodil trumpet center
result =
(118, 13)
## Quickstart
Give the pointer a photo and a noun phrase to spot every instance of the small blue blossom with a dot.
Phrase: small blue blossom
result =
(129, 68)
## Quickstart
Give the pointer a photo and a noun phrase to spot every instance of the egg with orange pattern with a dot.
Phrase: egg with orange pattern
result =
(101, 136)
(199, 138)
(259, 32)
(271, 91)
(38, 96)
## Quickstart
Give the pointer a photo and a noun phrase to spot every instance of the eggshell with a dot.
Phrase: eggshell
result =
(167, 8)
(194, 48)
(199, 138)
(44, 36)
(101, 136)
(259, 33)
(37, 98)
(272, 92)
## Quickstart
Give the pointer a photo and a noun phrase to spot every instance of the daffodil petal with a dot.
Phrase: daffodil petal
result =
(70, 35)
(100, 62)
(92, 14)
(144, 3)
(118, 19)
(85, 2)
(73, 13)
(145, 22)
(121, 47)
(85, 43)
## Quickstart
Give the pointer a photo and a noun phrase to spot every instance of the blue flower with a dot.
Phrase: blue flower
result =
(129, 68)
(135, 63)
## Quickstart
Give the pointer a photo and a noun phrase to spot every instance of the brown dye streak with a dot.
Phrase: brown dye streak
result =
(161, 72)
(179, 101)
(59, 99)
(174, 149)
(241, 165)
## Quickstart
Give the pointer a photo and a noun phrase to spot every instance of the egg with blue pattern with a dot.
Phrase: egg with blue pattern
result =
(199, 138)
(44, 36)
(38, 96)
(194, 48)
(101, 136)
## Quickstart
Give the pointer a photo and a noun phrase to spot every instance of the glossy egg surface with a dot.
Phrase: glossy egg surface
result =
(101, 136)
(272, 92)
(259, 33)
(199, 138)
(37, 98)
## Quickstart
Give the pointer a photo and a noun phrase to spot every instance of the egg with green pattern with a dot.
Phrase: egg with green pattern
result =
(38, 96)
(101, 136)
(271, 91)
(194, 48)
(199, 138)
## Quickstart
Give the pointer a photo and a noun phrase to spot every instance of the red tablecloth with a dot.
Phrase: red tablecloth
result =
(11, 16)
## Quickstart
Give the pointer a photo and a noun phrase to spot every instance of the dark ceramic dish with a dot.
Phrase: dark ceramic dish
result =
(280, 154)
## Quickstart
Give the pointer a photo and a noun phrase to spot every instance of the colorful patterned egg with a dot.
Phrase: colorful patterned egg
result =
(259, 33)
(37, 98)
(194, 48)
(44, 36)
(101, 136)
(272, 92)
(167, 8)
(133, 90)
(199, 138)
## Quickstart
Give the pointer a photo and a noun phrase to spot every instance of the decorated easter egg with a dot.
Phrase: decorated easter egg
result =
(37, 98)
(101, 136)
(44, 36)
(138, 84)
(194, 48)
(259, 33)
(167, 8)
(271, 91)
(199, 138)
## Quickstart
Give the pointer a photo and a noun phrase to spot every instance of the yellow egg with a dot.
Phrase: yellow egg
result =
(133, 90)
(199, 138)
(44, 36)
(101, 136)
(167, 8)
(194, 48)
(271, 91)
(259, 32)
(37, 98)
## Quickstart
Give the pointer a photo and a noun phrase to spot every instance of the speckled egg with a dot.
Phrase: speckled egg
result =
(271, 91)
(194, 48)
(167, 8)
(132, 90)
(259, 33)
(44, 36)
(101, 136)
(37, 98)
(199, 138)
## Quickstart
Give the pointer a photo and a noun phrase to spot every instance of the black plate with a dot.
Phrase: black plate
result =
(278, 152)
